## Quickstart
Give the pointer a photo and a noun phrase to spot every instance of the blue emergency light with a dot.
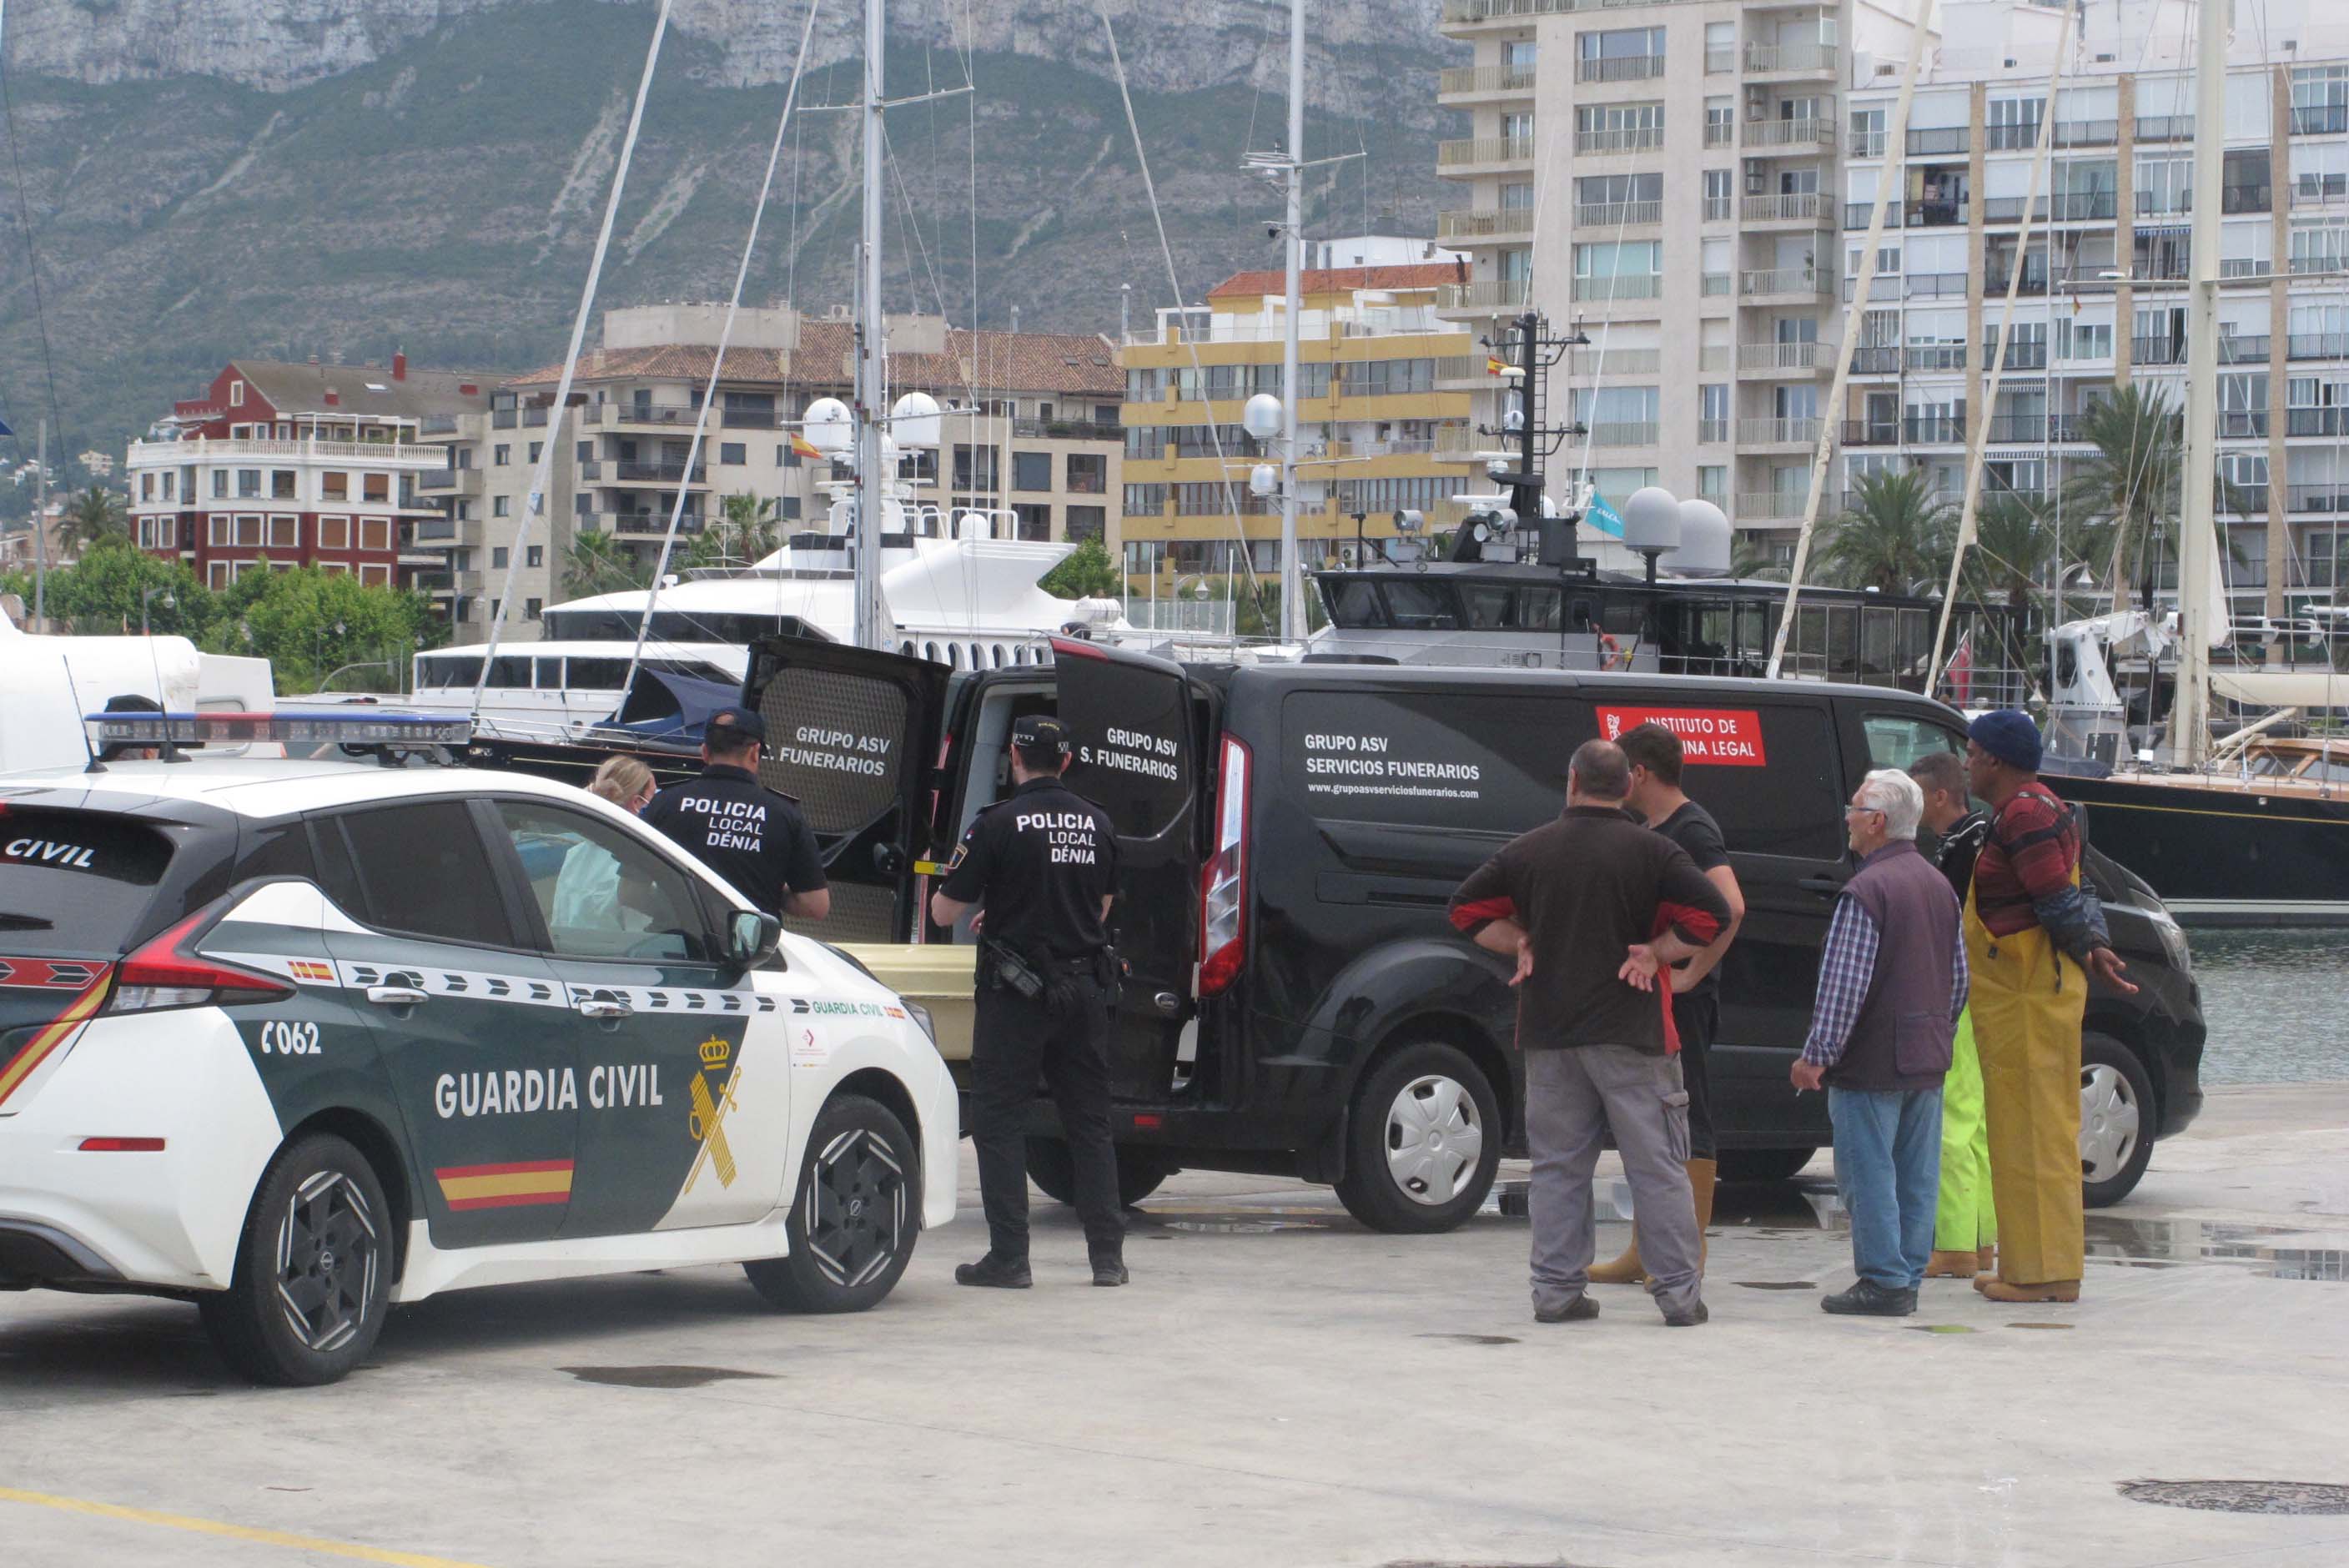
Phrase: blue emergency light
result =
(374, 727)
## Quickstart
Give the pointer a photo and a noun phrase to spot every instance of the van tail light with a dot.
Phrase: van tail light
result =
(167, 973)
(1223, 903)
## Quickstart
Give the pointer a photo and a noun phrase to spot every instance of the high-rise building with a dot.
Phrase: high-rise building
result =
(2102, 297)
(1665, 177)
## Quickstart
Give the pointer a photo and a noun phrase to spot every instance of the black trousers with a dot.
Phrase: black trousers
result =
(1696, 1017)
(1013, 1041)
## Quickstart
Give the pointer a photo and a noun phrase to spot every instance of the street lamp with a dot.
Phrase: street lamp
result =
(145, 595)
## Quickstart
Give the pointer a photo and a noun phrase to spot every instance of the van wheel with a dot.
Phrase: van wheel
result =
(853, 1221)
(313, 1276)
(1422, 1141)
(2116, 1121)
(1052, 1167)
(1763, 1164)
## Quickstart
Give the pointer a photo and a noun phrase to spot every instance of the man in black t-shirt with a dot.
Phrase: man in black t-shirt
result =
(757, 840)
(1654, 753)
(1041, 867)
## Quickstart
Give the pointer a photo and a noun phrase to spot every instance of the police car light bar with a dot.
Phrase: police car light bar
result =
(398, 731)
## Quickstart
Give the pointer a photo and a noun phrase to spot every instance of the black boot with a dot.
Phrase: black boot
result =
(1866, 1298)
(1003, 1273)
(1580, 1310)
(1109, 1269)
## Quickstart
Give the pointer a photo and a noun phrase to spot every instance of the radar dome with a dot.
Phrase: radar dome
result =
(914, 421)
(828, 426)
(1704, 542)
(1651, 520)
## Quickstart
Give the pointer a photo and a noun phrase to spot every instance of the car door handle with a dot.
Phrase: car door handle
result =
(1821, 884)
(395, 995)
(603, 1007)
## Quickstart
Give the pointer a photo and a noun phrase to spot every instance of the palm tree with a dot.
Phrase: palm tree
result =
(1895, 533)
(598, 564)
(97, 518)
(2131, 485)
(748, 526)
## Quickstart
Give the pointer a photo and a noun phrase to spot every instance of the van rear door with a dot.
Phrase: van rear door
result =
(851, 734)
(1130, 716)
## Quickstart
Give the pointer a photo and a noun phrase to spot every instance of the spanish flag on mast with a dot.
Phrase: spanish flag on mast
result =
(805, 448)
(1495, 365)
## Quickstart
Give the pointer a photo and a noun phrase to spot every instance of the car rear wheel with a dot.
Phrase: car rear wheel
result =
(853, 1221)
(1052, 1167)
(2116, 1121)
(1763, 1164)
(1422, 1141)
(313, 1275)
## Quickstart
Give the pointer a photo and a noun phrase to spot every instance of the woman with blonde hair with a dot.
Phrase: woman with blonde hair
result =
(587, 888)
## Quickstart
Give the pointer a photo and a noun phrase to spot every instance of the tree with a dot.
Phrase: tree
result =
(308, 622)
(2131, 484)
(748, 527)
(97, 518)
(99, 594)
(1893, 535)
(1087, 573)
(597, 564)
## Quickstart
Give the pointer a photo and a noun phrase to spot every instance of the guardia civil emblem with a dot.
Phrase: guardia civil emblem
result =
(710, 1097)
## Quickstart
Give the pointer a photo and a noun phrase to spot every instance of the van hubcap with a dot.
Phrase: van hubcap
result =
(326, 1260)
(1434, 1139)
(2110, 1119)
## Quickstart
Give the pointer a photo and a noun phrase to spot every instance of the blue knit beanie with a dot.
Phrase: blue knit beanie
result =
(2008, 734)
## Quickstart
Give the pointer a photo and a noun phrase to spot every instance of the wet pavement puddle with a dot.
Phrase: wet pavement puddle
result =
(1470, 1338)
(1776, 1284)
(1941, 1328)
(2301, 1498)
(2040, 1325)
(658, 1376)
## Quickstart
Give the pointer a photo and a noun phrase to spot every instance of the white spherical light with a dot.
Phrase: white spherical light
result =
(1260, 416)
(1652, 519)
(828, 426)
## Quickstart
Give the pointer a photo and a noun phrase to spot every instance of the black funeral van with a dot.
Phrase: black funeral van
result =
(1289, 834)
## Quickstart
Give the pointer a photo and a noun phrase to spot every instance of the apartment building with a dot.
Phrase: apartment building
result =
(301, 465)
(1031, 435)
(2102, 295)
(1665, 177)
(1383, 414)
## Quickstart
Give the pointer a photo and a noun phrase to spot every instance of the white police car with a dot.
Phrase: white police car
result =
(295, 1040)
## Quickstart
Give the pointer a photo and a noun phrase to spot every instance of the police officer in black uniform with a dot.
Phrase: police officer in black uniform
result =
(1043, 862)
(754, 838)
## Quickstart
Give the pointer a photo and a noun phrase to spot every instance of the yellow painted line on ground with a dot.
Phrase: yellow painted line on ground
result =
(232, 1532)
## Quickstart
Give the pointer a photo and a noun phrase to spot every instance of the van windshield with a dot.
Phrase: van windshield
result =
(75, 881)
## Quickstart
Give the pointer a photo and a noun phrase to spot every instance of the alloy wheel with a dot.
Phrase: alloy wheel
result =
(1434, 1139)
(327, 1255)
(856, 1212)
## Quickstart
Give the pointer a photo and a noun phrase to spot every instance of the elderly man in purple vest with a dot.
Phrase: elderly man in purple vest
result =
(1892, 981)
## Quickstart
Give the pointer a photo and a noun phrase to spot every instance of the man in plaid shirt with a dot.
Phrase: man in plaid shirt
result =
(1892, 982)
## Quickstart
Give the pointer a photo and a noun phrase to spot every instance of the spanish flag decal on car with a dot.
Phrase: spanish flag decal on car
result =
(506, 1186)
(47, 1038)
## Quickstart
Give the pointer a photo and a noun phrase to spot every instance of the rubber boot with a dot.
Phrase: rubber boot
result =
(1627, 1269)
(1952, 1265)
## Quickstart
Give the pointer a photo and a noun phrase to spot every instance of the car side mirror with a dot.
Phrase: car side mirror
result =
(752, 934)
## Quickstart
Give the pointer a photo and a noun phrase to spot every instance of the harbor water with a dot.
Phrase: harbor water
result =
(2271, 1000)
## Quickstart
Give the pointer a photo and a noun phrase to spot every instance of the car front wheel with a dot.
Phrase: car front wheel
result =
(855, 1213)
(313, 1275)
(2116, 1121)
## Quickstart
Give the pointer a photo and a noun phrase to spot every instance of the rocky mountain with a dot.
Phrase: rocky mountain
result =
(346, 177)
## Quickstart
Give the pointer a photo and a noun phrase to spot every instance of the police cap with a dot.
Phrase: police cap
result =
(729, 728)
(1036, 732)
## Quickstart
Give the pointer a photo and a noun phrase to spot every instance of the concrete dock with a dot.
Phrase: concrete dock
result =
(1278, 1387)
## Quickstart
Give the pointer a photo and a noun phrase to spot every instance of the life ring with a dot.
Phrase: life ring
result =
(1610, 652)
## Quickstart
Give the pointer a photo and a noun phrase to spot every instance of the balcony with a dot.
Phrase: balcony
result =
(435, 582)
(1468, 13)
(1865, 144)
(2247, 424)
(2318, 189)
(1714, 285)
(1506, 224)
(1876, 359)
(1620, 69)
(1758, 505)
(449, 481)
(2018, 430)
(1777, 432)
(2084, 206)
(2087, 133)
(1718, 209)
(504, 419)
(1934, 215)
(2009, 209)
(2330, 495)
(430, 531)
(1484, 152)
(1934, 285)
(1792, 59)
(1624, 433)
(1871, 432)
(641, 412)
(2031, 355)
(2157, 351)
(1066, 430)
(1606, 215)
(1934, 429)
(2317, 345)
(663, 473)
(2165, 128)
(1597, 361)
(1712, 433)
(2332, 421)
(1770, 357)
(1720, 62)
(1458, 82)
(438, 425)
(1792, 207)
(2320, 119)
(2246, 197)
(1496, 293)
(1620, 285)
(1995, 278)
(2305, 266)
(1856, 215)
(2012, 137)
(1808, 135)
(409, 456)
(534, 418)
(1721, 133)
(1940, 139)
(2243, 348)
(1808, 282)
(1628, 138)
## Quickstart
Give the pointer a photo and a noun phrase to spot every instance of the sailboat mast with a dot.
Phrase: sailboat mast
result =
(871, 367)
(1292, 575)
(2189, 706)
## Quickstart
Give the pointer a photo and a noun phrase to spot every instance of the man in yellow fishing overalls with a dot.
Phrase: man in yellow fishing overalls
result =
(2033, 934)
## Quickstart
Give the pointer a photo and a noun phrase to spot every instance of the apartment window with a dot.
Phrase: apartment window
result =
(975, 468)
(1518, 57)
(732, 454)
(1517, 127)
(334, 485)
(1867, 132)
(2318, 249)
(1719, 199)
(1713, 413)
(1620, 54)
(535, 448)
(334, 533)
(1617, 126)
(497, 506)
(375, 576)
(2165, 185)
(1088, 522)
(1145, 500)
(375, 487)
(2013, 122)
(501, 455)
(1618, 484)
(236, 394)
(1713, 483)
(1035, 520)
(1517, 195)
(1146, 385)
(1088, 473)
(536, 558)
(248, 483)
(2320, 100)
(1390, 377)
(498, 558)
(375, 534)
(1720, 122)
(1720, 47)
(219, 484)
(2320, 172)
(1030, 471)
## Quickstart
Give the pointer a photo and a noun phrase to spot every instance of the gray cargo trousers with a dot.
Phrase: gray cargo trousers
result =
(1574, 1098)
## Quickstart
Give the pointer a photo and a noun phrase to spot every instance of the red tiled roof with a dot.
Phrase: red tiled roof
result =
(1068, 363)
(364, 390)
(1340, 280)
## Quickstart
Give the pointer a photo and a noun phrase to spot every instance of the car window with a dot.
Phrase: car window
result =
(420, 870)
(1897, 740)
(603, 893)
(276, 850)
(76, 882)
